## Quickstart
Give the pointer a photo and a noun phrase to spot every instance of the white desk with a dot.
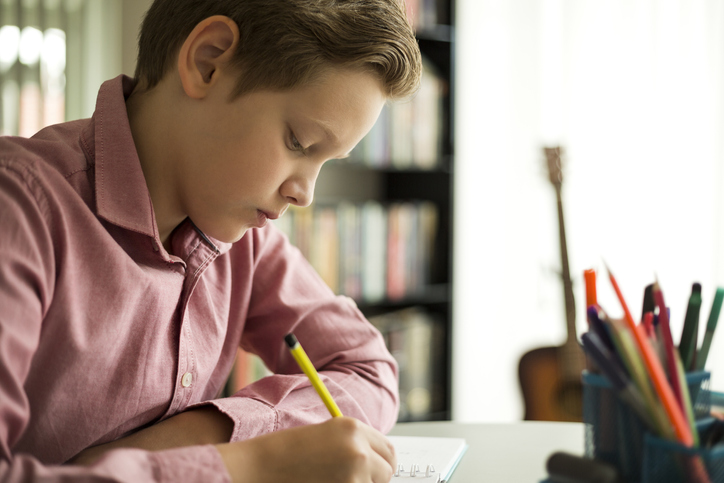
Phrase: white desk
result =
(506, 452)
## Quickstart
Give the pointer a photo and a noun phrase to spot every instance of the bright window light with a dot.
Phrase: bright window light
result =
(53, 52)
(9, 46)
(31, 43)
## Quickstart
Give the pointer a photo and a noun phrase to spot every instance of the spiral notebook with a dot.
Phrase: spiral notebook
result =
(425, 458)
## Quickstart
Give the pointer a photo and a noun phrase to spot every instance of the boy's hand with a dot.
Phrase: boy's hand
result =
(341, 450)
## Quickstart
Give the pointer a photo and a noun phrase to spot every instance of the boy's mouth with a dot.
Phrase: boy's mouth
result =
(263, 216)
(261, 219)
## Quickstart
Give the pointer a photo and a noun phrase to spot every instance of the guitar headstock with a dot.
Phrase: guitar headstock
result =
(553, 160)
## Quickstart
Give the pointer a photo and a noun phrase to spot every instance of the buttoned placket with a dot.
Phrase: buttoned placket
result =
(201, 255)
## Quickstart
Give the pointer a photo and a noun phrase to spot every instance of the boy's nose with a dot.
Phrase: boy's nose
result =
(300, 191)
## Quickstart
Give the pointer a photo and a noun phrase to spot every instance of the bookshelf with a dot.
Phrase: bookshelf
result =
(380, 228)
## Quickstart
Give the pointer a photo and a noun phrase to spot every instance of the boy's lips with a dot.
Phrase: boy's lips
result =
(270, 214)
(263, 216)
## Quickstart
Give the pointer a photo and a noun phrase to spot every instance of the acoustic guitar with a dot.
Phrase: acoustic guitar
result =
(550, 377)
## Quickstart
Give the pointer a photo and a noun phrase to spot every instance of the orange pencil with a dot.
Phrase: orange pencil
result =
(656, 372)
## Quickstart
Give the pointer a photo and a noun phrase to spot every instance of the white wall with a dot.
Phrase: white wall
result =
(633, 91)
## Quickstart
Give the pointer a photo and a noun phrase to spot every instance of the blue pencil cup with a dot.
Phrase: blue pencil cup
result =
(668, 462)
(614, 433)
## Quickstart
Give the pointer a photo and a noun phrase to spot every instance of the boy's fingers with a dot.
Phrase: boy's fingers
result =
(382, 446)
(381, 471)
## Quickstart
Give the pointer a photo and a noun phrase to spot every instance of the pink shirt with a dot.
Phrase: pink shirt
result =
(103, 332)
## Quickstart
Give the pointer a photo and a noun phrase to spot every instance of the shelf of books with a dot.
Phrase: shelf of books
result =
(387, 246)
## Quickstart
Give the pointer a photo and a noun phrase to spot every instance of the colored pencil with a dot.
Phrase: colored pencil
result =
(590, 278)
(689, 334)
(656, 373)
(626, 347)
(668, 344)
(710, 328)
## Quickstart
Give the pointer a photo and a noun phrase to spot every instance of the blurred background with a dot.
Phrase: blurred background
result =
(444, 225)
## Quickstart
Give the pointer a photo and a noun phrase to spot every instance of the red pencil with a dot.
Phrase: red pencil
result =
(668, 344)
(648, 324)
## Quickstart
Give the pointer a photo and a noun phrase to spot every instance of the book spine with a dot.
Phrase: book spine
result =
(408, 133)
(367, 251)
(374, 251)
(416, 340)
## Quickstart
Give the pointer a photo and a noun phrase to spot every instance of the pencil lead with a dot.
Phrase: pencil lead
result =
(608, 270)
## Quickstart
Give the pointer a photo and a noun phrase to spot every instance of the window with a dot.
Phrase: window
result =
(33, 49)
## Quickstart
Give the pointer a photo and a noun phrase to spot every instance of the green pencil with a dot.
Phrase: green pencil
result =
(710, 328)
(689, 336)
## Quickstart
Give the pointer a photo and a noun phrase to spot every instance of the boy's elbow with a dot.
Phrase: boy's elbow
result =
(384, 411)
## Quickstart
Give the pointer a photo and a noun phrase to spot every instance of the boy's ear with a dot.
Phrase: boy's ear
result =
(209, 46)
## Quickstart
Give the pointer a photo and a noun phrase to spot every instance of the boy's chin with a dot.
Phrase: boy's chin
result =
(232, 236)
(239, 236)
(226, 234)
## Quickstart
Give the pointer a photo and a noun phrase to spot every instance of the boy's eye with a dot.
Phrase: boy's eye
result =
(296, 145)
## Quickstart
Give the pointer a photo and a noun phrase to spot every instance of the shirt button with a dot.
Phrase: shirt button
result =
(187, 379)
(155, 245)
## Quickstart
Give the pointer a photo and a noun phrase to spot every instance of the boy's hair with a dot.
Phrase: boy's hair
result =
(287, 43)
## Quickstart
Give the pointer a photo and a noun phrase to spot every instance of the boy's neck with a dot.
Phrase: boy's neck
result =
(154, 132)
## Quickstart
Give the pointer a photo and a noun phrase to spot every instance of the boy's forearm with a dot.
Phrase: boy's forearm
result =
(366, 391)
(200, 426)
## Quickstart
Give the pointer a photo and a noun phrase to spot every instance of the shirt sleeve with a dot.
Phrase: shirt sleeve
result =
(202, 464)
(347, 350)
(27, 273)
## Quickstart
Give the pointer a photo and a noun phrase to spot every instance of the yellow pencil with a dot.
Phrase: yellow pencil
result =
(306, 365)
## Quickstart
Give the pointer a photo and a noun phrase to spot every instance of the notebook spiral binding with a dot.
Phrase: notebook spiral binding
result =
(414, 472)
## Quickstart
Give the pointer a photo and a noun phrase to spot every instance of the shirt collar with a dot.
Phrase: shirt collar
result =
(122, 196)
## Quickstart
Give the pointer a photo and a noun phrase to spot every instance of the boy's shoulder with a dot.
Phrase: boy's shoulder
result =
(60, 147)
(56, 159)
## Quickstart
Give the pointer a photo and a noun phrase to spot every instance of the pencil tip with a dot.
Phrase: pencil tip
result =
(291, 340)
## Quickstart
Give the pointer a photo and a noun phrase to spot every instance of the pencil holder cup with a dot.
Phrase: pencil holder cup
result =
(668, 462)
(613, 431)
(615, 434)
(700, 393)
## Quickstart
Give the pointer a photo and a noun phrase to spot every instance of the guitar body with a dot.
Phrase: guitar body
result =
(546, 395)
(550, 377)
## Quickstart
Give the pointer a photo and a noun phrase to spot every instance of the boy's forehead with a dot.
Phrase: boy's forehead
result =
(337, 96)
(326, 127)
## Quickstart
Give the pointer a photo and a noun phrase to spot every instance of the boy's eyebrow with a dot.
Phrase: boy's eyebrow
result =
(324, 126)
(327, 130)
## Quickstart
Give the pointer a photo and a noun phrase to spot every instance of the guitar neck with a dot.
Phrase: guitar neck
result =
(566, 274)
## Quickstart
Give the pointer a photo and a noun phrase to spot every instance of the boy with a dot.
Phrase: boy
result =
(136, 255)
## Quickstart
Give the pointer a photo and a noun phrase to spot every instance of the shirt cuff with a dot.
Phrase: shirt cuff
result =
(197, 463)
(251, 417)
